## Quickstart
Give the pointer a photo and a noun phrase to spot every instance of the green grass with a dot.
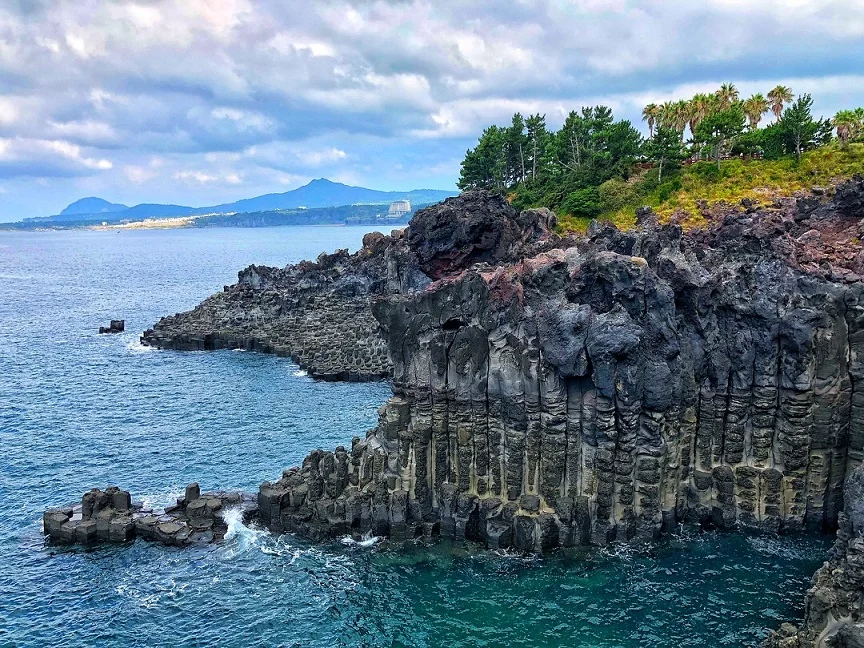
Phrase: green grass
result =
(758, 180)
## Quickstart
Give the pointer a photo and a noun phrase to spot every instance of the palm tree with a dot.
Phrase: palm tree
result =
(651, 114)
(667, 114)
(858, 128)
(778, 97)
(700, 106)
(727, 94)
(754, 108)
(846, 123)
(681, 117)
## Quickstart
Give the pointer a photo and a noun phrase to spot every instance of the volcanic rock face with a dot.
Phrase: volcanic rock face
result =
(319, 313)
(556, 392)
(835, 601)
(316, 313)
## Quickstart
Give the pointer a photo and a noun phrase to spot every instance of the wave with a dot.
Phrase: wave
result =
(161, 499)
(135, 346)
(365, 542)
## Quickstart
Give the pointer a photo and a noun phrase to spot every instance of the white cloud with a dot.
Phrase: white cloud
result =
(45, 158)
(317, 158)
(232, 92)
(243, 119)
(138, 174)
(201, 177)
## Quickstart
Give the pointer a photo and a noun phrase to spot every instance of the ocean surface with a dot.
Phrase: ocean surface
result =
(79, 410)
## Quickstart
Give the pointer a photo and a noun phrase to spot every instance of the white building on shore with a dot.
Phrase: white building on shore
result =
(398, 209)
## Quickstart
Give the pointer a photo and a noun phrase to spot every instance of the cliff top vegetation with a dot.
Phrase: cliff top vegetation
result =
(712, 148)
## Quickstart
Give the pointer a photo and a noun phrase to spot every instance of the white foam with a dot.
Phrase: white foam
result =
(134, 346)
(162, 499)
(300, 373)
(241, 538)
(367, 541)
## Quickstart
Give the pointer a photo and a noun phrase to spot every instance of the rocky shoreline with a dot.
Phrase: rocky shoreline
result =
(553, 391)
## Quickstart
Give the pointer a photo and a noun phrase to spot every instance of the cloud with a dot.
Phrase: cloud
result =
(317, 158)
(236, 95)
(200, 177)
(38, 158)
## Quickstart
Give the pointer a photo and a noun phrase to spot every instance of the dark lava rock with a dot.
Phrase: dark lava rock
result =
(116, 326)
(110, 516)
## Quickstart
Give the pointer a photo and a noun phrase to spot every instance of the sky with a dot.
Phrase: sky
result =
(200, 102)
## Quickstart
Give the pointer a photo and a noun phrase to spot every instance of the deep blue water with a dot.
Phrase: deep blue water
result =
(79, 410)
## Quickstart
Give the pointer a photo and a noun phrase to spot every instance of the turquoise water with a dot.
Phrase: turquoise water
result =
(79, 410)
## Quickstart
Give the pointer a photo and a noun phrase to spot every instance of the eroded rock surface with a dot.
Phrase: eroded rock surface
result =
(111, 516)
(556, 392)
(834, 615)
(318, 313)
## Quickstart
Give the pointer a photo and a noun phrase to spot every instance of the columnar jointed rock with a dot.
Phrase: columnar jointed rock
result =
(110, 516)
(835, 601)
(604, 388)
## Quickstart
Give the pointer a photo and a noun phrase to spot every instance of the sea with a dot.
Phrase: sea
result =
(80, 410)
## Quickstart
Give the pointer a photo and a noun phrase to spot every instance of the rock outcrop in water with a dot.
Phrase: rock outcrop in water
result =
(116, 326)
(556, 392)
(111, 516)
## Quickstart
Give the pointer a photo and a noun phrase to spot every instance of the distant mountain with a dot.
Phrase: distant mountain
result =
(318, 193)
(325, 193)
(92, 206)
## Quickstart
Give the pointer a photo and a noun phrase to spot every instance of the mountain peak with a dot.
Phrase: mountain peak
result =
(92, 205)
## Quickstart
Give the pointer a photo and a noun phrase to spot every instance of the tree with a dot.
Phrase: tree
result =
(484, 166)
(727, 94)
(754, 108)
(849, 125)
(779, 97)
(699, 107)
(538, 142)
(620, 146)
(668, 114)
(664, 148)
(571, 141)
(799, 131)
(718, 130)
(650, 114)
(516, 143)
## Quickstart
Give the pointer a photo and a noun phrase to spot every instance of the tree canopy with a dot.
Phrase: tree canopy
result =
(575, 168)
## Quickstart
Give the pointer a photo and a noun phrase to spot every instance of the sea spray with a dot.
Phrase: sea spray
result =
(240, 538)
(366, 541)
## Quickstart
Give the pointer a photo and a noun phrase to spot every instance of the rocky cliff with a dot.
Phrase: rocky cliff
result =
(557, 391)
(566, 391)
(834, 615)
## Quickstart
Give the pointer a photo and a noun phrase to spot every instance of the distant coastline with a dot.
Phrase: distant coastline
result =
(320, 202)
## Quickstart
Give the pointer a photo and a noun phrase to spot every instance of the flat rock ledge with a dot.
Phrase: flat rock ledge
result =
(112, 516)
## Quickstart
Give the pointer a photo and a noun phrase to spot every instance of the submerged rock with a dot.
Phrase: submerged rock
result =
(110, 516)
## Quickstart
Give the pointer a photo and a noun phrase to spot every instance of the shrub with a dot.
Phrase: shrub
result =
(582, 203)
(615, 194)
